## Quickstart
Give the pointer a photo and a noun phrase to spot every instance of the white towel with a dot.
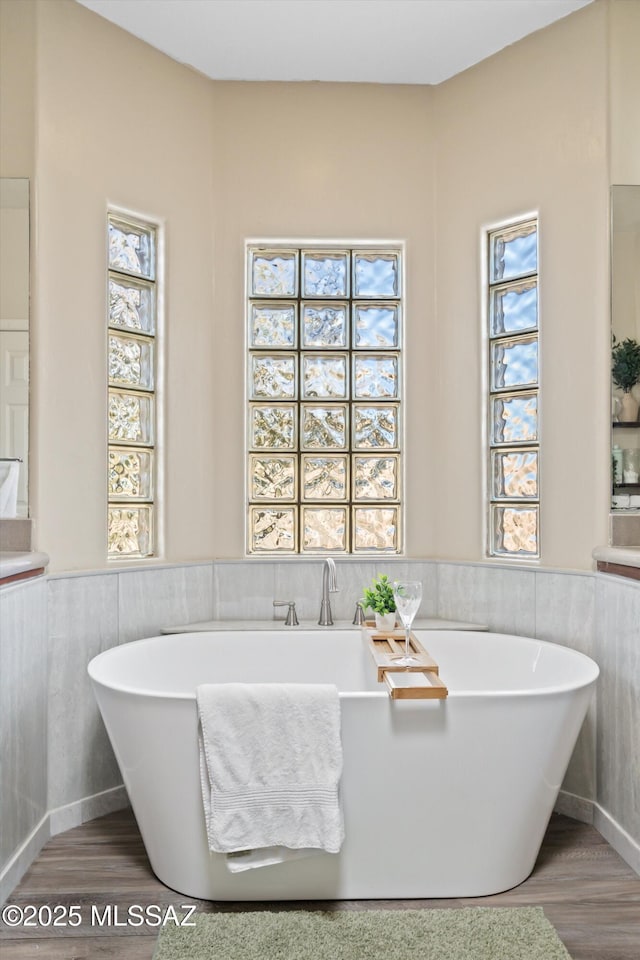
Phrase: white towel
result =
(270, 766)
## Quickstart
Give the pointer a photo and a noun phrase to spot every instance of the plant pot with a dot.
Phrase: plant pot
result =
(628, 410)
(385, 622)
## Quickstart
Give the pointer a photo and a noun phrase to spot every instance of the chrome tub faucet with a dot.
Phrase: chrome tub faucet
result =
(292, 617)
(359, 618)
(329, 585)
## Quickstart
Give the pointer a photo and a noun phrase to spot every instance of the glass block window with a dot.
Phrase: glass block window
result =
(131, 379)
(513, 392)
(324, 395)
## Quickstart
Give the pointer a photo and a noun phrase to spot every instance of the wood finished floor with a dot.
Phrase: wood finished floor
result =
(588, 892)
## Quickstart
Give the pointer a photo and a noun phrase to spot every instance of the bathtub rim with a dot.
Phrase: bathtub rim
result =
(459, 694)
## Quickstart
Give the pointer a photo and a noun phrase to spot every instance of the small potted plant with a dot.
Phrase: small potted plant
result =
(625, 371)
(379, 598)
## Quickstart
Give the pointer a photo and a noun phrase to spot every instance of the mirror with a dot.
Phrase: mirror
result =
(625, 325)
(625, 261)
(14, 346)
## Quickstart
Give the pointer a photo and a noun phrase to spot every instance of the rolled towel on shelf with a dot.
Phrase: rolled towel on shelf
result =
(270, 767)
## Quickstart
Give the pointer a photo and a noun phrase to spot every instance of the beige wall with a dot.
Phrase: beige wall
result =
(547, 154)
(624, 39)
(17, 87)
(323, 161)
(220, 162)
(526, 131)
(119, 123)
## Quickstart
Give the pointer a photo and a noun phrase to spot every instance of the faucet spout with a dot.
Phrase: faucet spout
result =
(329, 585)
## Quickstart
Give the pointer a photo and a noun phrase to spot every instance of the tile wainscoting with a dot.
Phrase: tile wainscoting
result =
(23, 719)
(58, 767)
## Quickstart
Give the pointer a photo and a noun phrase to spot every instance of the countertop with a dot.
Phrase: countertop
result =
(19, 565)
(433, 623)
(626, 556)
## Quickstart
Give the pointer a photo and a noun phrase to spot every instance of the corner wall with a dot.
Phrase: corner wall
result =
(118, 124)
(526, 131)
(218, 163)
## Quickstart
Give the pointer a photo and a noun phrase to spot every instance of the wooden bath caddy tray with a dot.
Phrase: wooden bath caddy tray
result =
(417, 681)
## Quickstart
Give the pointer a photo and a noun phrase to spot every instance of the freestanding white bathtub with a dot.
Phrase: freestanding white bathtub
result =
(441, 798)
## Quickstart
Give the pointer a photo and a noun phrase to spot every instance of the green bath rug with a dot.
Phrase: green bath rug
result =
(468, 933)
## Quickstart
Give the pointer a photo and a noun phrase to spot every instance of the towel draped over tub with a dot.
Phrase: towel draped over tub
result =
(270, 767)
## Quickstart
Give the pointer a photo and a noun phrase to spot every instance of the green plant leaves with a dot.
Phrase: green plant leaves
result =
(625, 366)
(379, 597)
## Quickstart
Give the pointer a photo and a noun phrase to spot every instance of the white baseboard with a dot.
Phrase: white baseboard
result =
(575, 807)
(622, 842)
(587, 811)
(14, 870)
(53, 822)
(74, 814)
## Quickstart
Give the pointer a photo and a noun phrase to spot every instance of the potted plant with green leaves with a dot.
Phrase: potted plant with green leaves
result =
(625, 372)
(379, 598)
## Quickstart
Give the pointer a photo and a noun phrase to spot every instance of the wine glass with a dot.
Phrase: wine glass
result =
(407, 595)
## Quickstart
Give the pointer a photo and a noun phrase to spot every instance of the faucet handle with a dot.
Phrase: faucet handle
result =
(359, 617)
(292, 617)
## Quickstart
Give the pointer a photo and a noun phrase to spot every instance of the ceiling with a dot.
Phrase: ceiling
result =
(359, 41)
